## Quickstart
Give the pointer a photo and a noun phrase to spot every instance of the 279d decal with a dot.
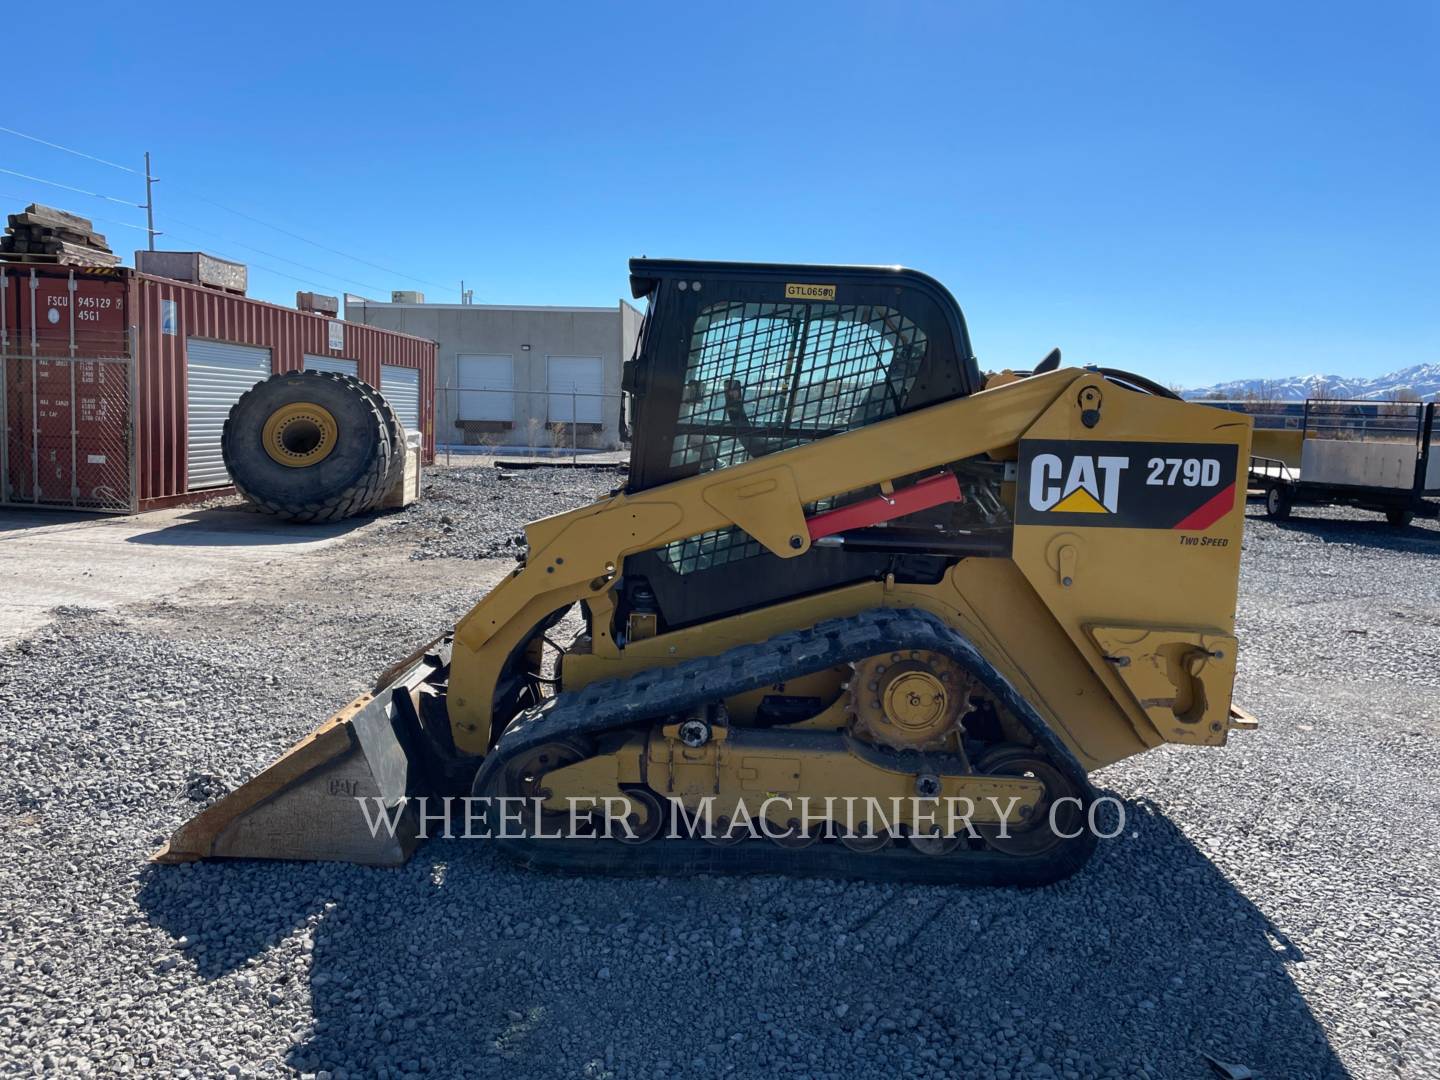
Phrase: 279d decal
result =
(1128, 485)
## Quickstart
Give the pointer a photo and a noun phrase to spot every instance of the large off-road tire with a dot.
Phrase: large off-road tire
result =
(309, 446)
(393, 425)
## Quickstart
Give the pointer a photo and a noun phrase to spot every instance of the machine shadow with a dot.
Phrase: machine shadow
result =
(460, 965)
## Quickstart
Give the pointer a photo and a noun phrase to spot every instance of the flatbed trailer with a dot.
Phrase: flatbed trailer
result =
(1370, 455)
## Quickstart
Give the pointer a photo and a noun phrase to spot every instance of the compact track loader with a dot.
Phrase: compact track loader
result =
(849, 580)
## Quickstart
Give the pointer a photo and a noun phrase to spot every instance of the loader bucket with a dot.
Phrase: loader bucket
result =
(307, 804)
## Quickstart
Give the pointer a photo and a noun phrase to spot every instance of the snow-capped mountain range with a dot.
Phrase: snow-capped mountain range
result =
(1422, 380)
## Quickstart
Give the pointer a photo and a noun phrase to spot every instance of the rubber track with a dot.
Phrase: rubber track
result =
(616, 704)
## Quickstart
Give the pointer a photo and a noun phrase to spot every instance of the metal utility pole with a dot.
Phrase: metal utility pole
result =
(149, 202)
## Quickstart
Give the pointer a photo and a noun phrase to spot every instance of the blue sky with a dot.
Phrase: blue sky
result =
(1194, 191)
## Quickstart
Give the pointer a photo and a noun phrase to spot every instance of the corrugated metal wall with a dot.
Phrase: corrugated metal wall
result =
(168, 312)
(402, 389)
(329, 363)
(217, 375)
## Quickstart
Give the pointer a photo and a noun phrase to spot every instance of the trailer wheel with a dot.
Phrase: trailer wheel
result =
(1400, 518)
(308, 446)
(1277, 503)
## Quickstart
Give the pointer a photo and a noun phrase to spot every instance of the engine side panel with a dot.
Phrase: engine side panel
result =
(1129, 514)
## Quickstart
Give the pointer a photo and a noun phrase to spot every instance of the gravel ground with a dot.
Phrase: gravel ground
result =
(1274, 903)
(468, 511)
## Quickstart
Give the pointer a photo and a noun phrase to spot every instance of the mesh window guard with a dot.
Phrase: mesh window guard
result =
(763, 377)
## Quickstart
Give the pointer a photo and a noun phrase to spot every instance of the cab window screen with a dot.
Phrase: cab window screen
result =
(763, 377)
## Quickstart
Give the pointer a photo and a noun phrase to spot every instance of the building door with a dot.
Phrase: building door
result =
(216, 374)
(330, 363)
(578, 382)
(401, 387)
(487, 387)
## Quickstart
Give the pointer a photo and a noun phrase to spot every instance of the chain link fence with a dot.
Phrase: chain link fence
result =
(558, 421)
(66, 432)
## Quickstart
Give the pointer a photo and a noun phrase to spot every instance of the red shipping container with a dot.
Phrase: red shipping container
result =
(117, 436)
(39, 303)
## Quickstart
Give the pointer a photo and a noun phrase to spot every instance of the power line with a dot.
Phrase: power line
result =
(316, 243)
(273, 255)
(142, 228)
(212, 202)
(67, 187)
(68, 150)
(258, 266)
(281, 273)
(107, 220)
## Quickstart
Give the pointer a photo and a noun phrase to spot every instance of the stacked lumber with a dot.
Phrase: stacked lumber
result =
(44, 234)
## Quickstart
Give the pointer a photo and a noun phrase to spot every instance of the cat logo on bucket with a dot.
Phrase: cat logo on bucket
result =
(1089, 485)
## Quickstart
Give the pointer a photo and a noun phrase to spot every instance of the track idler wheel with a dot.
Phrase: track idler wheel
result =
(524, 778)
(1028, 832)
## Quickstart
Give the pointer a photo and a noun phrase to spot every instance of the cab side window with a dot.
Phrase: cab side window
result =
(761, 377)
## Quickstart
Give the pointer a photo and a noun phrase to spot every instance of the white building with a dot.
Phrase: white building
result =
(518, 376)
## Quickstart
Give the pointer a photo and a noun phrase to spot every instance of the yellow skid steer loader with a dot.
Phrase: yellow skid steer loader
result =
(848, 583)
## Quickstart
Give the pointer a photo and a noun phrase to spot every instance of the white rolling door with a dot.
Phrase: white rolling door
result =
(401, 387)
(330, 363)
(216, 374)
(579, 380)
(487, 387)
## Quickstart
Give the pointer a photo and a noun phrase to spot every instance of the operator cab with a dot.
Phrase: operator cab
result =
(738, 360)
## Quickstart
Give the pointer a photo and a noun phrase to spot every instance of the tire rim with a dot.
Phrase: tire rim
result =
(300, 434)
